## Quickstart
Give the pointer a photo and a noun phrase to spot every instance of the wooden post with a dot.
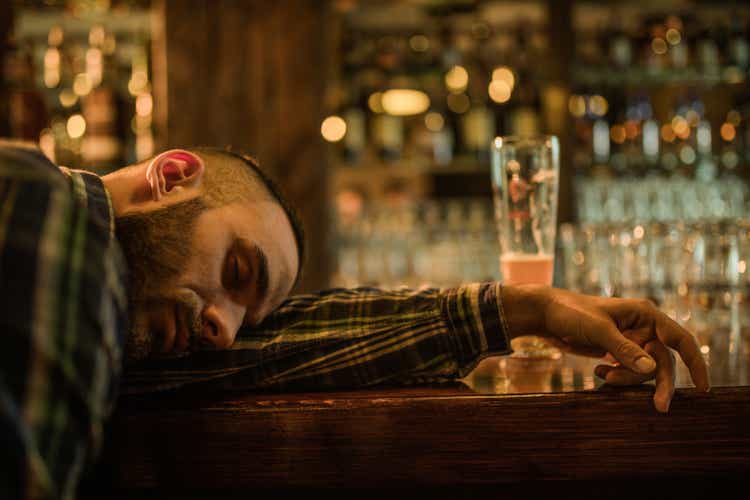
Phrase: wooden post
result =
(6, 23)
(561, 36)
(251, 75)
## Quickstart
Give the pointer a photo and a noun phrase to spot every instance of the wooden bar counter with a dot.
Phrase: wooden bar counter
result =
(496, 432)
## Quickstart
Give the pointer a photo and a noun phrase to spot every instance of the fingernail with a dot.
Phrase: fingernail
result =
(645, 364)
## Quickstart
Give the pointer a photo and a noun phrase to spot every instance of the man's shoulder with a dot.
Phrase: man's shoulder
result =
(25, 161)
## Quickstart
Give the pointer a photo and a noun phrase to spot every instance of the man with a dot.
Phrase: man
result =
(213, 252)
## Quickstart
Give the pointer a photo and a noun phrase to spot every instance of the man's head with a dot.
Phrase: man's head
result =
(210, 244)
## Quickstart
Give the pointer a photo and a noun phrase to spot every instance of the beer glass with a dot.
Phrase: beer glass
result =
(525, 172)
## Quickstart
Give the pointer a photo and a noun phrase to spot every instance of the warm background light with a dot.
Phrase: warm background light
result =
(333, 128)
(375, 102)
(659, 46)
(457, 79)
(434, 122)
(81, 84)
(144, 104)
(598, 105)
(67, 98)
(727, 132)
(505, 74)
(499, 91)
(404, 102)
(76, 126)
(577, 106)
(673, 36)
(618, 134)
(667, 133)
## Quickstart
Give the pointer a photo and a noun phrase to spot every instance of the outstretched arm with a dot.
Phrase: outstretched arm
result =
(348, 338)
(361, 337)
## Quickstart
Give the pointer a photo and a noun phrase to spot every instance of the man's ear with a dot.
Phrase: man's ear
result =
(173, 171)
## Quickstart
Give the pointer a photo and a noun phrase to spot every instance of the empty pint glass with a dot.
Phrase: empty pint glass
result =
(525, 173)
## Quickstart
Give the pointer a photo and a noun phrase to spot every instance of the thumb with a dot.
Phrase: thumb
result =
(628, 353)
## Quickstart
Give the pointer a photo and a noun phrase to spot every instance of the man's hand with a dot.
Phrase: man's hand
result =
(633, 332)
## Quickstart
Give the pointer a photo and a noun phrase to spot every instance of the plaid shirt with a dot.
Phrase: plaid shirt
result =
(348, 338)
(63, 303)
(62, 316)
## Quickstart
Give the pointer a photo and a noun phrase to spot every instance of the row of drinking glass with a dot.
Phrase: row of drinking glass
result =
(615, 258)
(437, 243)
(695, 272)
(661, 199)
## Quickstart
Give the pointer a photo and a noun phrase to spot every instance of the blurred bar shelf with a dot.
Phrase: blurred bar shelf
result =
(629, 77)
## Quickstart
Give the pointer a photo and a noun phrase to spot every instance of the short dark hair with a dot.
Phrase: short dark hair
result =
(274, 191)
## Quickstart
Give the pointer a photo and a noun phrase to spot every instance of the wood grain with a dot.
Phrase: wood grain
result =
(430, 436)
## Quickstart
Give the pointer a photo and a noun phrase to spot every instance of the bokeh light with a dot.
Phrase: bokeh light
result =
(499, 91)
(598, 105)
(667, 133)
(577, 105)
(457, 79)
(405, 102)
(505, 74)
(419, 43)
(727, 132)
(673, 36)
(375, 102)
(333, 128)
(617, 134)
(434, 121)
(76, 126)
(659, 46)
(81, 84)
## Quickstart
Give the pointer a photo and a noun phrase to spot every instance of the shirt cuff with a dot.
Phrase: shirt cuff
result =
(476, 322)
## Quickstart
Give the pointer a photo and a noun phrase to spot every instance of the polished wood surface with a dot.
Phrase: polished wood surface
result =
(494, 427)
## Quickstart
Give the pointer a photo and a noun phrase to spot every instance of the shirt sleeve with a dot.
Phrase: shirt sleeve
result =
(62, 316)
(349, 338)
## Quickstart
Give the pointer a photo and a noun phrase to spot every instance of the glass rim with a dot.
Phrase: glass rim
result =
(501, 140)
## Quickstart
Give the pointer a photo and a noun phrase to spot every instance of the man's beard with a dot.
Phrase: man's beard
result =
(157, 246)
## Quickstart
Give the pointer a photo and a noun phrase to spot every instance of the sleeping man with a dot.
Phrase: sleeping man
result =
(178, 270)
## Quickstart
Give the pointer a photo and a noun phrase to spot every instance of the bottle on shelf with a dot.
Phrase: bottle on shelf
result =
(478, 128)
(388, 136)
(355, 139)
(739, 45)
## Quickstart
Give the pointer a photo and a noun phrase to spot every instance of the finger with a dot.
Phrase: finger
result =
(617, 375)
(629, 313)
(625, 351)
(665, 374)
(679, 339)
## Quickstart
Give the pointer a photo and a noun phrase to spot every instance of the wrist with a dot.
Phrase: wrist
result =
(525, 308)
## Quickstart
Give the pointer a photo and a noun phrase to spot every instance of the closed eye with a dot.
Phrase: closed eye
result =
(236, 278)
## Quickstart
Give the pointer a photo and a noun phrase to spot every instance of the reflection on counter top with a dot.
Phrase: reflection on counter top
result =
(570, 373)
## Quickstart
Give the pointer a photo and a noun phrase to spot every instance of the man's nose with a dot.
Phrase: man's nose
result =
(220, 325)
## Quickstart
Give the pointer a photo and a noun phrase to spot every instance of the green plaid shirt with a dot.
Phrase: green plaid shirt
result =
(62, 316)
(348, 338)
(63, 311)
